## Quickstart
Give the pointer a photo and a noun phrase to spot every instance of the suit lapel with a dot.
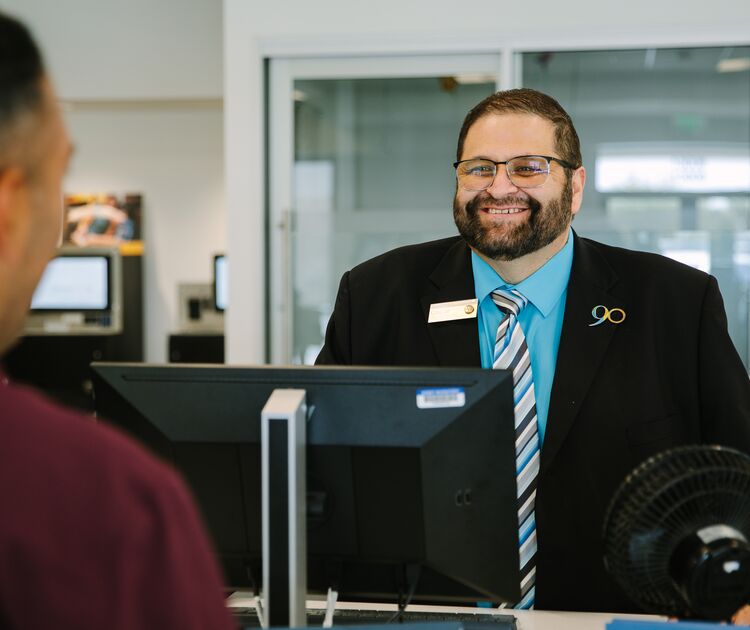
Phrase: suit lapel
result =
(456, 343)
(582, 347)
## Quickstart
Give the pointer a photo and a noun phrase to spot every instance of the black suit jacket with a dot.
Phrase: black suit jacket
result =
(668, 375)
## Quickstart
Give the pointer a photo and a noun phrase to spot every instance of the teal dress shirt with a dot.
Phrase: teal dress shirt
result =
(541, 321)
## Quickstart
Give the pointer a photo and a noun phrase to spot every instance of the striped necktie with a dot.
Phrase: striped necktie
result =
(512, 353)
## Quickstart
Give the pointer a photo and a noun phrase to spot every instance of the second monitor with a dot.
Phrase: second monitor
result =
(80, 293)
(407, 468)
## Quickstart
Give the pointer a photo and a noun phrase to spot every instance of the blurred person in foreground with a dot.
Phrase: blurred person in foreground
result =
(94, 532)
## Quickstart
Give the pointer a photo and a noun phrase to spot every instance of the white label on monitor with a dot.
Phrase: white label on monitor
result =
(73, 282)
(441, 397)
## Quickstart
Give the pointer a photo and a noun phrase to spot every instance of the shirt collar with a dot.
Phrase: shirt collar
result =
(543, 288)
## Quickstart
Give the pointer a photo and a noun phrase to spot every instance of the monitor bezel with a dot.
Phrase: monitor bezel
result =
(84, 321)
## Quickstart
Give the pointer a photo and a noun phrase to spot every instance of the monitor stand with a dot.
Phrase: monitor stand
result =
(284, 501)
(284, 517)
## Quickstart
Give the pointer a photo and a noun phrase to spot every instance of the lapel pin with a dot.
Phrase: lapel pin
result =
(603, 314)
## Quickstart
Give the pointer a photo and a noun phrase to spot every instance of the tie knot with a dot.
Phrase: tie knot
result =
(509, 300)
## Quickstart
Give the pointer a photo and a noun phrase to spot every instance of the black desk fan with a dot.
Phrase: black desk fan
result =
(677, 533)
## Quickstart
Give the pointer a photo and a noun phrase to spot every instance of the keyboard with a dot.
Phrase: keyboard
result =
(356, 617)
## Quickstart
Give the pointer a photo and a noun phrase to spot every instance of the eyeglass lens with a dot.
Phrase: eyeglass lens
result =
(524, 172)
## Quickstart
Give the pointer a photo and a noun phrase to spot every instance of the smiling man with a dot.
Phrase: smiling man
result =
(498, 216)
(616, 355)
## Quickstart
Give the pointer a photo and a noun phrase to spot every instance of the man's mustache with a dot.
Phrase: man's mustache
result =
(472, 207)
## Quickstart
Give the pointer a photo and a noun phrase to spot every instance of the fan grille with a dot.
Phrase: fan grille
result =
(664, 500)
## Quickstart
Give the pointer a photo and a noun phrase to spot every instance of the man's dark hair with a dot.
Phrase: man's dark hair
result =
(528, 101)
(21, 72)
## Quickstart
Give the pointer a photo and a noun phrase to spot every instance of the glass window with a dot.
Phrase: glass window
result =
(665, 136)
(372, 171)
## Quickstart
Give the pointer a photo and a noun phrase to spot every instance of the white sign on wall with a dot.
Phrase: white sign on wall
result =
(689, 168)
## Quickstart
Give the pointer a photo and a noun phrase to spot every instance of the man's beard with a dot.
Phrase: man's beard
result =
(512, 240)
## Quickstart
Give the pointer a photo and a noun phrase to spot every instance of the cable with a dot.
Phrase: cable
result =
(413, 572)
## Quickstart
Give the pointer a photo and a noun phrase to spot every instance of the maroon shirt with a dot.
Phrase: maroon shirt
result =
(95, 533)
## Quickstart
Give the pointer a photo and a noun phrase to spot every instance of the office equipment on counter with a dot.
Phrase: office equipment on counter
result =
(405, 473)
(348, 613)
(65, 333)
(80, 293)
(676, 533)
(196, 348)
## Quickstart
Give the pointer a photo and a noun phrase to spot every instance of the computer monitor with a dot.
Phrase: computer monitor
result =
(80, 293)
(221, 282)
(406, 468)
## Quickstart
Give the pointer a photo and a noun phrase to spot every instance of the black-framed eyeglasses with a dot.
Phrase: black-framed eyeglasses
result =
(524, 171)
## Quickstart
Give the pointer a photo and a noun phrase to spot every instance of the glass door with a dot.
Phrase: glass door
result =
(360, 161)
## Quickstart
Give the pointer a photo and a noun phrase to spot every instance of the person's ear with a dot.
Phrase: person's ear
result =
(578, 181)
(14, 212)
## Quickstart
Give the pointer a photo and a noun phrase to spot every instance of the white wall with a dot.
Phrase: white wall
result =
(115, 49)
(144, 78)
(255, 29)
(387, 18)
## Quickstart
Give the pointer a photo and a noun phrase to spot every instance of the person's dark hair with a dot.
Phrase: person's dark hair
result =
(21, 72)
(528, 101)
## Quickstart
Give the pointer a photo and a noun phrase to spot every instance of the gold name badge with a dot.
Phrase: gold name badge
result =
(449, 311)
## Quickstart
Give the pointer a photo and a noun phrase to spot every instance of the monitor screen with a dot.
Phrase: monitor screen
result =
(80, 293)
(406, 468)
(73, 282)
(221, 282)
